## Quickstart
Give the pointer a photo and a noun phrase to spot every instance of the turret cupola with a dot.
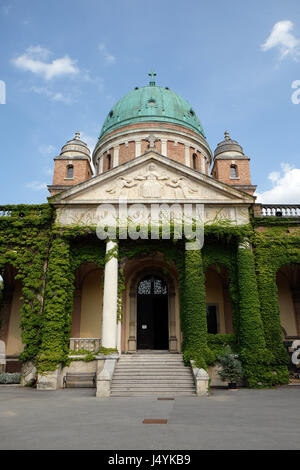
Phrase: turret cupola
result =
(231, 165)
(72, 165)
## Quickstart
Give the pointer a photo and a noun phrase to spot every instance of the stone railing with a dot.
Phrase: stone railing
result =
(89, 344)
(21, 211)
(277, 210)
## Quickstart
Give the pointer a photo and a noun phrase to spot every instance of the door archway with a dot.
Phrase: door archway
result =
(152, 313)
(133, 277)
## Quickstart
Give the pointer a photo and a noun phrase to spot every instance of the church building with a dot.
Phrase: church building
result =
(96, 294)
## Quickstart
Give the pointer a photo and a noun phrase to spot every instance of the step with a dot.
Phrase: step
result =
(173, 357)
(146, 374)
(152, 379)
(148, 357)
(151, 358)
(151, 364)
(156, 390)
(150, 386)
(173, 373)
(147, 394)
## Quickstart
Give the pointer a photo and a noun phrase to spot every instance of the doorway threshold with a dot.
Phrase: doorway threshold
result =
(152, 351)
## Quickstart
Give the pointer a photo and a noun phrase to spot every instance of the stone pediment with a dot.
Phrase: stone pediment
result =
(152, 178)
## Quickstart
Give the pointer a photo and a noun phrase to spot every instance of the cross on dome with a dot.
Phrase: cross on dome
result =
(152, 74)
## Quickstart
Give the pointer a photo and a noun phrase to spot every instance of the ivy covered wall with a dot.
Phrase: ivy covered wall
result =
(275, 245)
(25, 239)
(46, 258)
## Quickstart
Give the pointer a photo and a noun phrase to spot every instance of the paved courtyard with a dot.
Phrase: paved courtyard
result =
(75, 419)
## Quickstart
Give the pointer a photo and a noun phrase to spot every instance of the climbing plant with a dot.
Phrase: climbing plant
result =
(46, 257)
(25, 237)
(67, 253)
(275, 246)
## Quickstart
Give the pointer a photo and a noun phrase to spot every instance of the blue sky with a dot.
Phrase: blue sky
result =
(66, 62)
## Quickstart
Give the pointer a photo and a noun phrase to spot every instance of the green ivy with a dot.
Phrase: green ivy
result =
(46, 257)
(88, 356)
(57, 313)
(193, 323)
(25, 237)
(275, 246)
(252, 346)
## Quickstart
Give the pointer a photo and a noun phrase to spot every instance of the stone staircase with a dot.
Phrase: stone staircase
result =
(152, 373)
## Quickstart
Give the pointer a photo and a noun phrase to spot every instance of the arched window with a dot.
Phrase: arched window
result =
(70, 171)
(233, 171)
(195, 161)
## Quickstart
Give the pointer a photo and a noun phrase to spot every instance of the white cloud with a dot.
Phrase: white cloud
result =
(53, 95)
(109, 58)
(286, 187)
(36, 60)
(95, 80)
(283, 39)
(46, 150)
(36, 185)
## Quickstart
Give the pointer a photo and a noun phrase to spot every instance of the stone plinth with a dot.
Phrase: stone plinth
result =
(49, 380)
(201, 379)
(105, 374)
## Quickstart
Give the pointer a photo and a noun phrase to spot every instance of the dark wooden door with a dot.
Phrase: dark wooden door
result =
(152, 314)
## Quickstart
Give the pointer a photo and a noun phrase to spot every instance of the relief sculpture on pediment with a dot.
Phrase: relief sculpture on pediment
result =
(153, 184)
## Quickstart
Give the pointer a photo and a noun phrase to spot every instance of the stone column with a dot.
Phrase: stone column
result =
(101, 165)
(2, 356)
(164, 147)
(172, 323)
(138, 148)
(132, 322)
(116, 156)
(119, 336)
(110, 298)
(187, 155)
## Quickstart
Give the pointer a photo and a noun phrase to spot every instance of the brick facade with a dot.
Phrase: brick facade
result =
(222, 168)
(81, 172)
(176, 152)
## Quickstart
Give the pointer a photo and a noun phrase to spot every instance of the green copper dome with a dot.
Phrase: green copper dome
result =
(151, 103)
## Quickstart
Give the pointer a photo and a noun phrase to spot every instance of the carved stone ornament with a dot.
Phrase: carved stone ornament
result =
(152, 185)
